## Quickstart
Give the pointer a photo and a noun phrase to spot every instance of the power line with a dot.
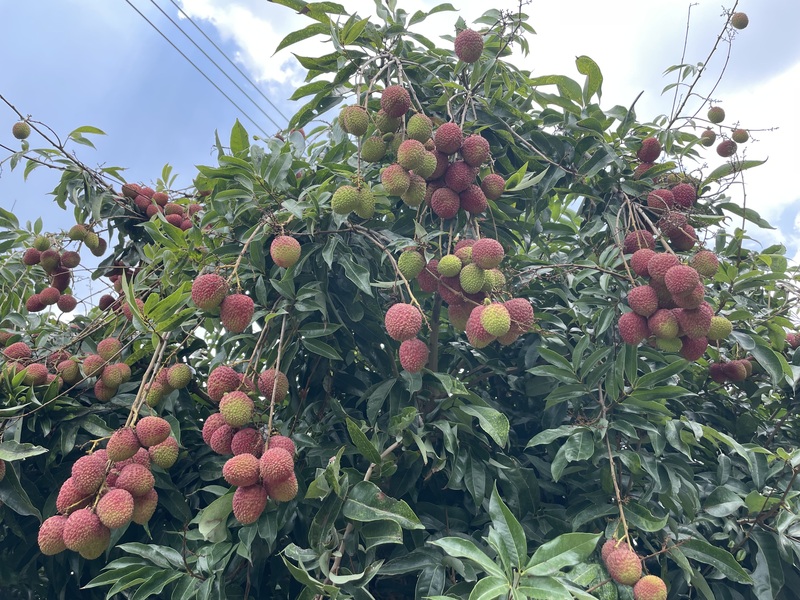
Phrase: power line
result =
(219, 89)
(215, 64)
(233, 64)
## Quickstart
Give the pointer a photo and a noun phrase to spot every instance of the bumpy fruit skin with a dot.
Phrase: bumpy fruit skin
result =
(410, 154)
(385, 123)
(135, 478)
(152, 430)
(70, 499)
(716, 114)
(448, 138)
(31, 257)
(276, 465)
(477, 335)
(410, 264)
(726, 148)
(649, 151)
(35, 374)
(487, 253)
(88, 474)
(473, 200)
(637, 239)
(17, 351)
(660, 263)
(267, 383)
(643, 300)
(642, 170)
(445, 203)
(281, 441)
(395, 101)
(609, 546)
(639, 261)
(681, 279)
(695, 322)
(720, 328)
(740, 136)
(344, 200)
(521, 313)
(415, 194)
(222, 438)
(221, 380)
(419, 127)
(85, 533)
(493, 186)
(449, 266)
(122, 445)
(373, 149)
(283, 491)
(144, 506)
(468, 45)
(365, 201)
(247, 441)
(236, 408)
(115, 508)
(285, 251)
(403, 321)
(475, 150)
(691, 300)
(208, 291)
(684, 194)
(164, 454)
(663, 324)
(624, 565)
(459, 176)
(705, 262)
(428, 278)
(67, 303)
(458, 315)
(633, 328)
(739, 20)
(248, 503)
(236, 312)
(241, 470)
(210, 426)
(693, 349)
(660, 200)
(395, 180)
(650, 587)
(708, 137)
(472, 278)
(22, 130)
(354, 120)
(51, 535)
(413, 355)
(179, 376)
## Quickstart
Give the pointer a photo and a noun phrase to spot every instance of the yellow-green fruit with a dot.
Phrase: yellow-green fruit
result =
(373, 149)
(472, 278)
(385, 123)
(496, 320)
(285, 251)
(739, 20)
(283, 491)
(419, 127)
(365, 202)
(395, 180)
(740, 136)
(495, 280)
(672, 345)
(236, 408)
(465, 254)
(411, 264)
(716, 114)
(21, 130)
(415, 194)
(344, 200)
(449, 266)
(354, 120)
(720, 328)
(164, 454)
(410, 154)
(427, 166)
(115, 508)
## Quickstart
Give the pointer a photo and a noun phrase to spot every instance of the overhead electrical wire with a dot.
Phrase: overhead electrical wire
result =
(189, 60)
(233, 64)
(238, 87)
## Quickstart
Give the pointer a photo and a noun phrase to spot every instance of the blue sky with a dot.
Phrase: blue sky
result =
(90, 62)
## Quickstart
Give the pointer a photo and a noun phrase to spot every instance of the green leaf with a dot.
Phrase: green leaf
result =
(550, 435)
(651, 379)
(11, 450)
(566, 550)
(490, 588)
(361, 441)
(356, 273)
(729, 168)
(14, 496)
(378, 533)
(722, 560)
(722, 502)
(366, 502)
(240, 141)
(546, 588)
(509, 533)
(214, 519)
(321, 348)
(303, 34)
(491, 421)
(773, 363)
(642, 518)
(580, 446)
(594, 77)
(463, 548)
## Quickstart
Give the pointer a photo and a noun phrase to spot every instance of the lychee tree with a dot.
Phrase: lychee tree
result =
(475, 337)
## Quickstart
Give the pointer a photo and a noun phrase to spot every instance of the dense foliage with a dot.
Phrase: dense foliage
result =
(495, 472)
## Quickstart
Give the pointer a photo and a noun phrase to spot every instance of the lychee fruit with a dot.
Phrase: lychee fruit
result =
(681, 279)
(639, 261)
(247, 441)
(410, 264)
(179, 375)
(459, 176)
(468, 45)
(716, 114)
(276, 465)
(419, 127)
(660, 263)
(475, 150)
(663, 324)
(726, 148)
(643, 300)
(695, 322)
(705, 263)
(122, 444)
(283, 491)
(473, 200)
(428, 278)
(414, 196)
(248, 503)
(236, 312)
(51, 535)
(445, 203)
(493, 186)
(236, 408)
(403, 321)
(472, 278)
(221, 380)
(88, 474)
(86, 534)
(637, 239)
(354, 120)
(285, 251)
(373, 149)
(344, 199)
(740, 136)
(164, 454)
(152, 430)
(708, 137)
(281, 441)
(385, 123)
(650, 587)
(684, 194)
(624, 565)
(241, 470)
(739, 20)
(210, 426)
(487, 253)
(144, 506)
(272, 380)
(720, 328)
(395, 179)
(410, 154)
(135, 478)
(208, 291)
(520, 312)
(633, 328)
(693, 349)
(448, 138)
(115, 508)
(660, 200)
(21, 130)
(395, 101)
(649, 151)
(477, 335)
(413, 355)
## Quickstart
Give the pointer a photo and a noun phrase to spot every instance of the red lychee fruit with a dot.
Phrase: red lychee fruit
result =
(403, 321)
(445, 203)
(31, 257)
(428, 278)
(693, 349)
(69, 498)
(210, 426)
(493, 186)
(696, 322)
(179, 375)
(475, 150)
(241, 470)
(633, 328)
(51, 535)
(468, 45)
(247, 441)
(208, 291)
(521, 313)
(639, 261)
(236, 312)
(281, 441)
(395, 180)
(477, 335)
(164, 454)
(448, 138)
(643, 300)
(641, 170)
(221, 380)
(285, 251)
(67, 303)
(248, 503)
(86, 534)
(727, 148)
(273, 382)
(144, 506)
(659, 264)
(35, 374)
(649, 151)
(473, 200)
(637, 239)
(660, 200)
(681, 279)
(284, 491)
(413, 355)
(152, 430)
(115, 508)
(135, 478)
(487, 253)
(18, 351)
(49, 296)
(684, 239)
(624, 565)
(395, 101)
(459, 176)
(122, 444)
(222, 438)
(88, 474)
(663, 324)
(705, 262)
(276, 465)
(650, 587)
(684, 194)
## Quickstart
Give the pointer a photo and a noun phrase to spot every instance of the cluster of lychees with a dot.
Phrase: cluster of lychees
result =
(109, 488)
(150, 203)
(671, 307)
(259, 474)
(19, 358)
(625, 567)
(728, 146)
(210, 292)
(58, 269)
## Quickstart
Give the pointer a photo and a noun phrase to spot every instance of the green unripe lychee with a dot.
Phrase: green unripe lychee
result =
(344, 200)
(496, 320)
(449, 266)
(472, 278)
(716, 114)
(365, 202)
(411, 264)
(395, 180)
(427, 166)
(419, 127)
(373, 149)
(354, 120)
(720, 328)
(415, 194)
(739, 20)
(21, 130)
(385, 123)
(495, 280)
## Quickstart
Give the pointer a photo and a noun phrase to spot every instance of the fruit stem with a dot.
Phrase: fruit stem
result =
(277, 370)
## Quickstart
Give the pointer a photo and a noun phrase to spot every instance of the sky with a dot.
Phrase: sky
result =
(70, 63)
